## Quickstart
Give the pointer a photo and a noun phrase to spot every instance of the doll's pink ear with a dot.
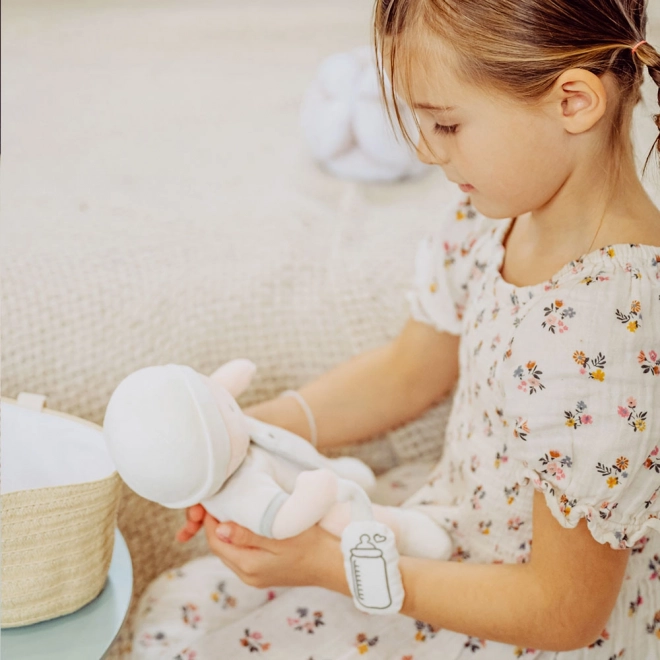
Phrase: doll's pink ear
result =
(235, 375)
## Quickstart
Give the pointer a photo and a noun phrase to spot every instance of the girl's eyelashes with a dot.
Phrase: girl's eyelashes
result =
(445, 130)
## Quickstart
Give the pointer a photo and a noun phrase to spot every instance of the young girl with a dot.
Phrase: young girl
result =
(548, 274)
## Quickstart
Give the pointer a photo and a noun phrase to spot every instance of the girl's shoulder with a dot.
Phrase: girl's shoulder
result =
(623, 274)
(621, 263)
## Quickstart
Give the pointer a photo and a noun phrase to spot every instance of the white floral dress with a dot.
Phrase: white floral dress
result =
(559, 391)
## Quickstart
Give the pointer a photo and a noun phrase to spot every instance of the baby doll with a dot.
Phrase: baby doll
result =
(179, 438)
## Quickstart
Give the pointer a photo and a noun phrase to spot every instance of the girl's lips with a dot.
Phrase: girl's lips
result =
(465, 187)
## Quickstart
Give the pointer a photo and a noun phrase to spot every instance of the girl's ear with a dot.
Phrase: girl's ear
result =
(581, 99)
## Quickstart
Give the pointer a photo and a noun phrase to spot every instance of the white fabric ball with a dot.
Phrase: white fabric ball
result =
(345, 122)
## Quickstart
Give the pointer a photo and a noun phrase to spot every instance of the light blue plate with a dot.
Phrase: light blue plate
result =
(82, 635)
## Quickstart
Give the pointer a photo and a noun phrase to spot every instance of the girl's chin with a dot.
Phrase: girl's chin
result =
(492, 210)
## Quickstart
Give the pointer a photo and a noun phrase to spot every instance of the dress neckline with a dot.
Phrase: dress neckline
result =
(621, 249)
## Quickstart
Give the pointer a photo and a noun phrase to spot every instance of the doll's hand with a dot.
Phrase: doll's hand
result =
(313, 558)
(194, 521)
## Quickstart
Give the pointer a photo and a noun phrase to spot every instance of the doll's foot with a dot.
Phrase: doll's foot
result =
(417, 534)
(355, 470)
(422, 537)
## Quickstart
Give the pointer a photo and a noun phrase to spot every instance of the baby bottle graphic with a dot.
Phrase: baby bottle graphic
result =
(370, 574)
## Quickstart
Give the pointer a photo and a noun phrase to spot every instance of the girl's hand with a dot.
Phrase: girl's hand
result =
(313, 558)
(194, 521)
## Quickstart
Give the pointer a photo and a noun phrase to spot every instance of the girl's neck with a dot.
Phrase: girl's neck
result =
(540, 243)
(589, 211)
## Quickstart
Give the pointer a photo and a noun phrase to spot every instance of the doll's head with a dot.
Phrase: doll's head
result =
(175, 435)
(513, 98)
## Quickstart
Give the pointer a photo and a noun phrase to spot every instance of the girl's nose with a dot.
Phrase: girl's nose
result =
(429, 157)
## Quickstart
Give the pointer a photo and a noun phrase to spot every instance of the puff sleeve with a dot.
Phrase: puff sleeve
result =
(581, 385)
(443, 263)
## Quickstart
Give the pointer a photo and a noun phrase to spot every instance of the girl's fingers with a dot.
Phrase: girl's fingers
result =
(194, 521)
(188, 531)
(183, 536)
(230, 532)
(240, 536)
(196, 513)
(237, 558)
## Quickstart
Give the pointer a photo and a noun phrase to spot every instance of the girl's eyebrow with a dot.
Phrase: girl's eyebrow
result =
(436, 108)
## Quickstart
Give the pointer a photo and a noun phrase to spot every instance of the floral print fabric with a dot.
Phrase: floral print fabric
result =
(559, 391)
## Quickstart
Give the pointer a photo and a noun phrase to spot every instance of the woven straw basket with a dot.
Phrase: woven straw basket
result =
(57, 540)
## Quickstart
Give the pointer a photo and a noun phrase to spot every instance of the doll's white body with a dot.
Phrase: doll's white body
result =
(280, 496)
(283, 486)
(178, 438)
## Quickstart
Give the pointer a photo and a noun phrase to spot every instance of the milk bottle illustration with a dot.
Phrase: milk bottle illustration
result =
(369, 570)
(371, 558)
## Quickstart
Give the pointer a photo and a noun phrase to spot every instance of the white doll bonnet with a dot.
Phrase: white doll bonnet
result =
(166, 436)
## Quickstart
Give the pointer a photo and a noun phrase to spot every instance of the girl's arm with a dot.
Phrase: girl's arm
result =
(373, 392)
(559, 601)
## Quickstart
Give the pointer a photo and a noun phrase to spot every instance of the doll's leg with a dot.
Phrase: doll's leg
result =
(314, 493)
(187, 603)
(351, 468)
(416, 534)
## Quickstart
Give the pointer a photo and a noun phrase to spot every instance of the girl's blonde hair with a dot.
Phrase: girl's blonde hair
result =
(521, 47)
